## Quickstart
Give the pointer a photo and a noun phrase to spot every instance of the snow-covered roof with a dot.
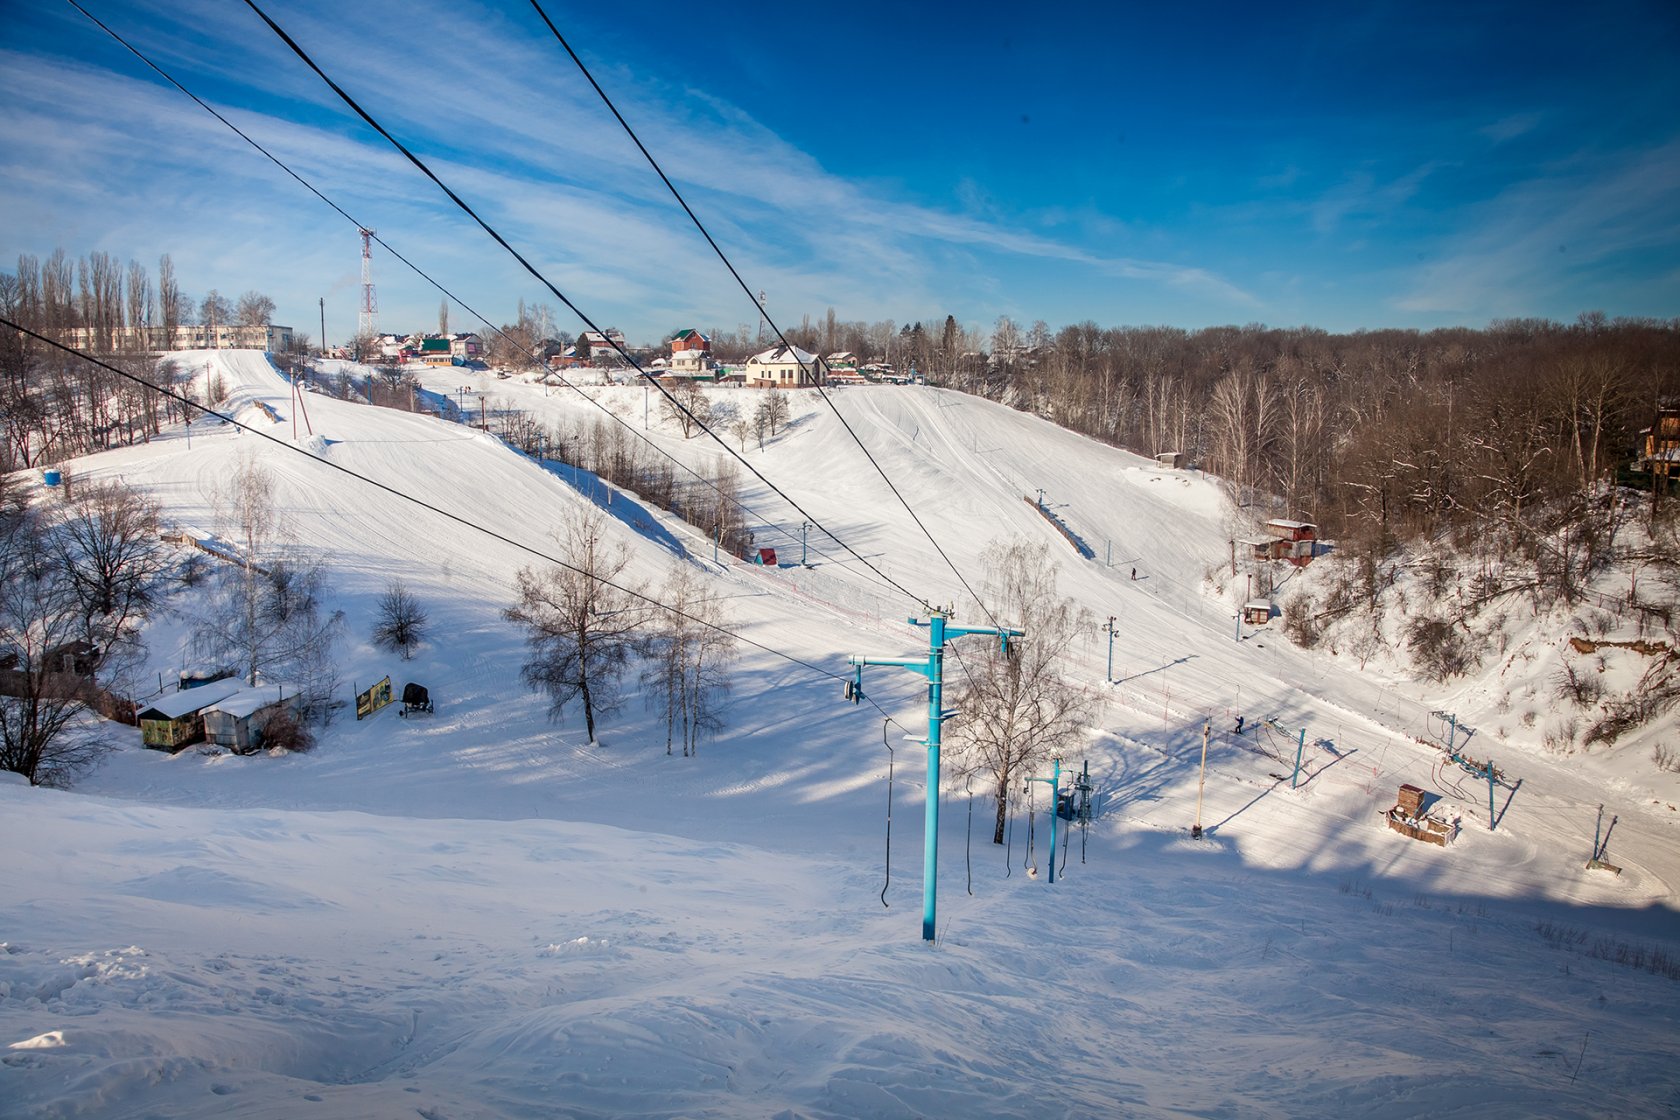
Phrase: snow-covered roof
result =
(1283, 523)
(782, 355)
(189, 700)
(251, 700)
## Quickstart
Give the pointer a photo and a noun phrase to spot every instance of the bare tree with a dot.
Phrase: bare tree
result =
(215, 312)
(172, 306)
(582, 624)
(254, 310)
(401, 624)
(771, 413)
(688, 407)
(1017, 709)
(262, 615)
(43, 701)
(109, 545)
(688, 670)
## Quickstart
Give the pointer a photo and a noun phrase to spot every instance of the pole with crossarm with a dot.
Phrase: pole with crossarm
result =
(933, 668)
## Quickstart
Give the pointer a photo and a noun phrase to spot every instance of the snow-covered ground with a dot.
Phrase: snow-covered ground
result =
(476, 914)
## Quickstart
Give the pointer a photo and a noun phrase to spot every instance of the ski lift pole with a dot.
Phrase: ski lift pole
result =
(1451, 720)
(1108, 676)
(1053, 781)
(1300, 748)
(933, 668)
(1490, 778)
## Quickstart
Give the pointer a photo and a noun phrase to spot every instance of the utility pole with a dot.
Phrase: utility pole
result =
(1108, 676)
(804, 530)
(933, 668)
(1196, 829)
(323, 302)
(1053, 781)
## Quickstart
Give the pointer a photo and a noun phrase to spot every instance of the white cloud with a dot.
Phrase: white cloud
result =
(1535, 239)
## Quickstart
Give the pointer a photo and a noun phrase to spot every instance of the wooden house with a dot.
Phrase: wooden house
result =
(177, 720)
(237, 721)
(1298, 538)
(1257, 612)
(1660, 445)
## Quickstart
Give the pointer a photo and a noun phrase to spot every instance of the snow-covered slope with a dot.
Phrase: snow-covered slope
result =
(477, 914)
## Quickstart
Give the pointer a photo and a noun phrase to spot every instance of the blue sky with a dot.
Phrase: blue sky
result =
(1338, 166)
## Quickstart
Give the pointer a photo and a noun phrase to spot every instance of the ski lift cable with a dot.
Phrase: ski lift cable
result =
(1008, 836)
(968, 849)
(821, 362)
(1030, 860)
(450, 295)
(423, 504)
(536, 274)
(890, 758)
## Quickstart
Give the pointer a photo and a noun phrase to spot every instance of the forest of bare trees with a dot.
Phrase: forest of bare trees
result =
(56, 405)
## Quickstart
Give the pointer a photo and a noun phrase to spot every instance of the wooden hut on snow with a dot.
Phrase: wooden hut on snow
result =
(237, 722)
(177, 720)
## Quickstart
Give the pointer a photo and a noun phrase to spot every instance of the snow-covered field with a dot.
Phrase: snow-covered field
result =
(477, 914)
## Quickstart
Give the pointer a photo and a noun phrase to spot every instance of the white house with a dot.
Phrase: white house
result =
(783, 367)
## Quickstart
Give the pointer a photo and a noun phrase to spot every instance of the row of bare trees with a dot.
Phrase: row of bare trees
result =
(55, 405)
(586, 623)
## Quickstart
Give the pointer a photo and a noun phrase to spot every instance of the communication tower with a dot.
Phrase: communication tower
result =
(370, 302)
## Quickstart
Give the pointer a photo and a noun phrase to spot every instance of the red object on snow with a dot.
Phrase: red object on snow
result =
(767, 556)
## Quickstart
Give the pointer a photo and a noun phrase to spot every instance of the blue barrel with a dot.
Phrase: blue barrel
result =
(51, 477)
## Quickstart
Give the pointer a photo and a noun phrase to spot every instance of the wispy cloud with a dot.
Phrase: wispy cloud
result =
(1511, 127)
(1361, 195)
(1538, 238)
(114, 159)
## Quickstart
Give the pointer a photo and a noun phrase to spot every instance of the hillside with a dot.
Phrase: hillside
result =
(478, 914)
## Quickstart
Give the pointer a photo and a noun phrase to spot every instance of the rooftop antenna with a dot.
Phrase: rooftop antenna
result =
(370, 301)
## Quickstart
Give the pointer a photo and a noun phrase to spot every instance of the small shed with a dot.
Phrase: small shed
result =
(238, 720)
(1257, 612)
(1287, 530)
(177, 720)
(1173, 459)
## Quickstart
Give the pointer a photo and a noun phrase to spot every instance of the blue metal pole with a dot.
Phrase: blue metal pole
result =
(1301, 746)
(1490, 794)
(1452, 731)
(930, 848)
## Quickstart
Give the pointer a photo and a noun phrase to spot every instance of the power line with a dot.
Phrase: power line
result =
(821, 362)
(423, 504)
(420, 165)
(418, 271)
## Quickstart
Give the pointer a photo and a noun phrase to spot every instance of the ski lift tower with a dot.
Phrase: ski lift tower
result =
(367, 322)
(933, 668)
